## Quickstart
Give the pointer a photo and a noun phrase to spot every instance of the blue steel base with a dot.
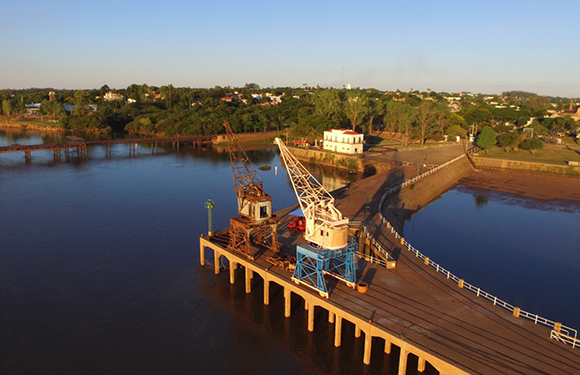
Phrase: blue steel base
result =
(313, 263)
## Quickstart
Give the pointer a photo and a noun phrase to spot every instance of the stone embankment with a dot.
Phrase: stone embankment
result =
(250, 137)
(399, 206)
(522, 166)
(352, 163)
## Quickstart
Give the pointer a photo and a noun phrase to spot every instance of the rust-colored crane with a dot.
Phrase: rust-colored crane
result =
(256, 223)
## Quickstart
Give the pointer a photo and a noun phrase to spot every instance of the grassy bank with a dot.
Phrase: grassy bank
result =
(545, 156)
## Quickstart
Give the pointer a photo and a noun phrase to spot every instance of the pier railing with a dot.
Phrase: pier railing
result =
(559, 332)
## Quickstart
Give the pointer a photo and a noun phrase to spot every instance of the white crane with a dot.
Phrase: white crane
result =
(325, 227)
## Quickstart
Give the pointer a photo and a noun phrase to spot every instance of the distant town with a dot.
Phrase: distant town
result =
(513, 118)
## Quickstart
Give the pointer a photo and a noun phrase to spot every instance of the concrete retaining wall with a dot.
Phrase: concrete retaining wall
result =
(401, 205)
(250, 137)
(484, 163)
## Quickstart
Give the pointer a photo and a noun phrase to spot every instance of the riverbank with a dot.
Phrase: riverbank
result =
(30, 126)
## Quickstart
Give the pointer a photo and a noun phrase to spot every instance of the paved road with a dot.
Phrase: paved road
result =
(433, 155)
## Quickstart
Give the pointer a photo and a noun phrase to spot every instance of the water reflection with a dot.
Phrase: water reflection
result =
(480, 201)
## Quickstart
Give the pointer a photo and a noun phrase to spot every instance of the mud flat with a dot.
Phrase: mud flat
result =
(536, 187)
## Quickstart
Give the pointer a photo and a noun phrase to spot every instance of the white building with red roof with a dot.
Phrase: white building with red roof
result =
(343, 141)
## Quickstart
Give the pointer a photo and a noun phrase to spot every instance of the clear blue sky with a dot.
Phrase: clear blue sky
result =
(479, 46)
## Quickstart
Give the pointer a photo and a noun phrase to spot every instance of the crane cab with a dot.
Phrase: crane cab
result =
(257, 208)
(331, 235)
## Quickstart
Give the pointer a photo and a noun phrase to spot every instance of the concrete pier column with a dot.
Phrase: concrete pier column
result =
(387, 347)
(403, 362)
(421, 364)
(232, 272)
(287, 302)
(201, 254)
(330, 317)
(216, 261)
(310, 318)
(248, 280)
(368, 345)
(266, 290)
(357, 331)
(337, 331)
(305, 305)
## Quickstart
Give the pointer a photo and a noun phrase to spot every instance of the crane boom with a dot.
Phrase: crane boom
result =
(252, 199)
(325, 225)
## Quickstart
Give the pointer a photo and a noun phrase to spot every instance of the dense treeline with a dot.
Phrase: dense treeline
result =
(305, 112)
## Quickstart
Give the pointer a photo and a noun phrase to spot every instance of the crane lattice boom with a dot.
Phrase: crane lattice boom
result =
(247, 182)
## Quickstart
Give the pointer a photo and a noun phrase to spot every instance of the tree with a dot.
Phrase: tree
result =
(326, 102)
(252, 86)
(475, 115)
(304, 129)
(373, 110)
(532, 145)
(455, 130)
(539, 129)
(80, 98)
(53, 109)
(509, 140)
(400, 117)
(442, 119)
(425, 119)
(487, 139)
(7, 106)
(354, 107)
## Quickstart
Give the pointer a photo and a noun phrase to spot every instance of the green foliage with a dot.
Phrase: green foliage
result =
(521, 121)
(532, 145)
(354, 107)
(456, 130)
(509, 140)
(487, 139)
(7, 106)
(539, 129)
(476, 115)
(53, 109)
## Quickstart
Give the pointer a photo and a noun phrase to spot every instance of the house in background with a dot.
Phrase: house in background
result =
(343, 141)
(112, 96)
(33, 110)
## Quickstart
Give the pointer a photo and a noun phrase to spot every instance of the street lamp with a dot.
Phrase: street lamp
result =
(209, 205)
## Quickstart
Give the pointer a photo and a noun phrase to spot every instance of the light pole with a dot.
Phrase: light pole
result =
(209, 205)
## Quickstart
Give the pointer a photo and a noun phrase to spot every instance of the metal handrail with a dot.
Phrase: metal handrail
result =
(371, 259)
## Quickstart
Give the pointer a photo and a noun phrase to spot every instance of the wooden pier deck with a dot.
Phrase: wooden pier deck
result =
(423, 314)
